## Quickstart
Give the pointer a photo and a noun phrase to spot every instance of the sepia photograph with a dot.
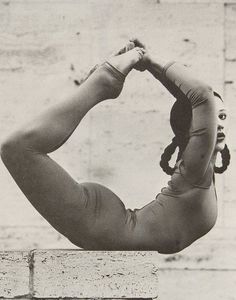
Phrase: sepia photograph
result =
(117, 149)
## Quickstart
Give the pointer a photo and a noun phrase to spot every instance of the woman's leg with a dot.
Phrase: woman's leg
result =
(49, 188)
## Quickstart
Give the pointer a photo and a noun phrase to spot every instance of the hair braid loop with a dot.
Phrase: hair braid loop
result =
(225, 155)
(166, 156)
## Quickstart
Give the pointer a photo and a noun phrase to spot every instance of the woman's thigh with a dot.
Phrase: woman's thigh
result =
(88, 214)
(49, 188)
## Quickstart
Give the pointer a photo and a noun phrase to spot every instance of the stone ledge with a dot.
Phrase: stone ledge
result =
(14, 274)
(78, 274)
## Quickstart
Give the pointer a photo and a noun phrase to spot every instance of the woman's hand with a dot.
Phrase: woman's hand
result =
(145, 62)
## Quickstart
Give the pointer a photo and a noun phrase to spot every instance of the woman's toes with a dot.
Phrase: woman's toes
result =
(137, 42)
(141, 52)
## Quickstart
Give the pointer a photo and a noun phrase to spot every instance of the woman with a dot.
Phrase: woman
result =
(90, 215)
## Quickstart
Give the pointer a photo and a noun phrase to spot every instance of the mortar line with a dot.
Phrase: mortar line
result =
(31, 272)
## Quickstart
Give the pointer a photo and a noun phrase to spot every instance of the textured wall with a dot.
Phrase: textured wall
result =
(46, 44)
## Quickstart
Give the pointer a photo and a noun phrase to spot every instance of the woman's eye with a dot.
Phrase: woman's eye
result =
(222, 116)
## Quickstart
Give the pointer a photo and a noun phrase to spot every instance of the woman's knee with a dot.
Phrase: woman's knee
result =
(8, 148)
(12, 148)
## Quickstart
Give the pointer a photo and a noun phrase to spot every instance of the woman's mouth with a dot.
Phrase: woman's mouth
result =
(220, 136)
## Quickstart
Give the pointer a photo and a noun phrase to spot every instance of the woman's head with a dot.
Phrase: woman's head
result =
(180, 121)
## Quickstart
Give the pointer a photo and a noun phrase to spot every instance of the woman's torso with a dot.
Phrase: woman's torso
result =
(180, 214)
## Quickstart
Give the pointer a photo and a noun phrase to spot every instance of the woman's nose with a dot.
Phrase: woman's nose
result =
(220, 126)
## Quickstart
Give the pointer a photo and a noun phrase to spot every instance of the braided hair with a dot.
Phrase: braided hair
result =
(166, 156)
(180, 121)
(225, 156)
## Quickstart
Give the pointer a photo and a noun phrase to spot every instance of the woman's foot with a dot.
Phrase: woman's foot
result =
(125, 62)
(129, 46)
(110, 76)
(117, 68)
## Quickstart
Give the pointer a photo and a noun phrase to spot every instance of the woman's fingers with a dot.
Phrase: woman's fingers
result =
(137, 42)
(141, 52)
(142, 64)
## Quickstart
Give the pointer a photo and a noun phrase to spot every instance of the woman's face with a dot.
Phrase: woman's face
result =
(221, 125)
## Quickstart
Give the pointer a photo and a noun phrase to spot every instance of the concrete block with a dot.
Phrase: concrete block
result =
(99, 274)
(85, 274)
(14, 274)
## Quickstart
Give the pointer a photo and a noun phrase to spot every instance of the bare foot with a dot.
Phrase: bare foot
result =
(113, 72)
(129, 46)
(125, 62)
(110, 76)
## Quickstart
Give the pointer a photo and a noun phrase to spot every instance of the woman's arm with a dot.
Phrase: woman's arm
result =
(155, 67)
(176, 78)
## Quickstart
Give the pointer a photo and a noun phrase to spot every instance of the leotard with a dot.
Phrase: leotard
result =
(184, 210)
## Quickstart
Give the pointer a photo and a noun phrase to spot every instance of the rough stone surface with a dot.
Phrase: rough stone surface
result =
(78, 274)
(14, 274)
(95, 274)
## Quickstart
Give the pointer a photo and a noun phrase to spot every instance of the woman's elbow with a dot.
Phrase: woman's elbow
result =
(202, 88)
(201, 93)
